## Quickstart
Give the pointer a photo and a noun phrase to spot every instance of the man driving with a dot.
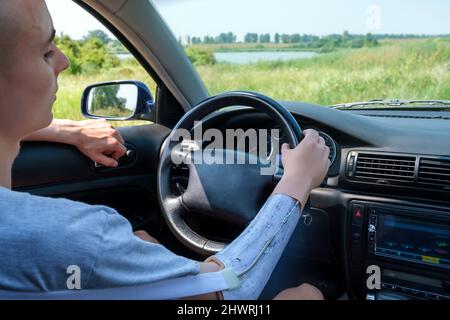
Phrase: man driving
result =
(44, 236)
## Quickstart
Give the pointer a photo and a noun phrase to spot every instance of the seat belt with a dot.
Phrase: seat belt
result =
(188, 286)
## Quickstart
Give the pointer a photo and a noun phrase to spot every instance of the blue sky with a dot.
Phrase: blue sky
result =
(203, 17)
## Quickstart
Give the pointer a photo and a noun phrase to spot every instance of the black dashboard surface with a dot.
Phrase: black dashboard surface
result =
(416, 134)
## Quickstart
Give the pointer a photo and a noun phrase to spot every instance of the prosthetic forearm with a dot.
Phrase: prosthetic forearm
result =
(255, 253)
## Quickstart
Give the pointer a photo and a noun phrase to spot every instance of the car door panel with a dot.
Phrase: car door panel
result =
(43, 163)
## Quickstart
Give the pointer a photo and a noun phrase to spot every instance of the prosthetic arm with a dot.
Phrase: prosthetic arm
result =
(254, 254)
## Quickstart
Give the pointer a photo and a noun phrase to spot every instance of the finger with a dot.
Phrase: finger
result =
(284, 148)
(119, 153)
(112, 144)
(311, 134)
(327, 153)
(105, 161)
(321, 141)
(118, 136)
(116, 150)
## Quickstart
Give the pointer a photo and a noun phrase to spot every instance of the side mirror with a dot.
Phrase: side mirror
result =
(117, 100)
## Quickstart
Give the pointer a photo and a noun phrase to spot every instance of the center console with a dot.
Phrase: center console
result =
(410, 246)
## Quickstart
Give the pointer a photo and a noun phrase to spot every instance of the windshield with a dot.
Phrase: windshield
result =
(323, 52)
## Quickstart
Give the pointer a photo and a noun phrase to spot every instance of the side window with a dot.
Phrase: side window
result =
(95, 56)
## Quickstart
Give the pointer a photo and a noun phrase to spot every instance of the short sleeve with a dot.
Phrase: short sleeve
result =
(125, 260)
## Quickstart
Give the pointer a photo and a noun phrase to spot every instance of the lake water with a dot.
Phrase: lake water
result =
(124, 56)
(252, 57)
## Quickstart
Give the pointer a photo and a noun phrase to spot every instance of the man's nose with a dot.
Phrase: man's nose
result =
(63, 63)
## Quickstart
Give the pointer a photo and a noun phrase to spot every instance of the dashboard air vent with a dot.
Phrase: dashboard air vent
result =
(434, 171)
(385, 168)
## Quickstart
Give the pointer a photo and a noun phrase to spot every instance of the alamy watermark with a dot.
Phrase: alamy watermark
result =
(210, 147)
(74, 280)
(374, 279)
(373, 21)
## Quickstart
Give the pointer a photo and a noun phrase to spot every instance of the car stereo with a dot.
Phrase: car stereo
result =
(410, 244)
(409, 239)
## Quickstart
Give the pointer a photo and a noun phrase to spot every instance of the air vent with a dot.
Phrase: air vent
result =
(385, 168)
(434, 171)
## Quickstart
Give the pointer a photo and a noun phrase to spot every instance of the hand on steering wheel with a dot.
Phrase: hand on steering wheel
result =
(227, 192)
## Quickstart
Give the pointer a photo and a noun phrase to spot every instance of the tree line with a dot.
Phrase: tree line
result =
(97, 51)
(345, 39)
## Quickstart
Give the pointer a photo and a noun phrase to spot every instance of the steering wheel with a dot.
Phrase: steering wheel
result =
(229, 192)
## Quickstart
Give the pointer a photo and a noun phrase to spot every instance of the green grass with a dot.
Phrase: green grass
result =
(406, 70)
(415, 69)
(250, 47)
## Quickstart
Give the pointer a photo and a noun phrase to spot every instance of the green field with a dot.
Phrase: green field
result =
(414, 69)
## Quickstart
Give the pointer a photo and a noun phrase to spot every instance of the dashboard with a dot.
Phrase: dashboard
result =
(386, 198)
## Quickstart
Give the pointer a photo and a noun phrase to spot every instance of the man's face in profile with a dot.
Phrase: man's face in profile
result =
(30, 64)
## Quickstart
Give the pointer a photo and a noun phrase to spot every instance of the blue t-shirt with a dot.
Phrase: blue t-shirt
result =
(41, 237)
